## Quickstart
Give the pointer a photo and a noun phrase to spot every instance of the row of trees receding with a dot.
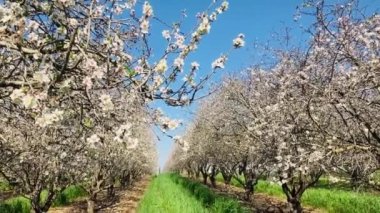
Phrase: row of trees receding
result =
(315, 112)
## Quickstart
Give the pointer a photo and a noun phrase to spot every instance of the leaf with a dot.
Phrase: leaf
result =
(88, 122)
(129, 72)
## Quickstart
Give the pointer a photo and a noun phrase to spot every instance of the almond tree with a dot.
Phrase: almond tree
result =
(77, 74)
(315, 110)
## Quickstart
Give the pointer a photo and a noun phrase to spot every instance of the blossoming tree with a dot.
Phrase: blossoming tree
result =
(76, 78)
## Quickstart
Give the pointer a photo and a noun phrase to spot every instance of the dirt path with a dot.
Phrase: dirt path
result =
(261, 202)
(127, 201)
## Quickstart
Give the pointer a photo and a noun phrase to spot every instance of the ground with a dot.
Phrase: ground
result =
(260, 202)
(127, 201)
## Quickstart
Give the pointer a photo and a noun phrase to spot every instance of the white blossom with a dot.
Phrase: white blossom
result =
(17, 94)
(158, 80)
(239, 41)
(180, 40)
(147, 9)
(166, 34)
(87, 81)
(73, 22)
(204, 27)
(29, 101)
(162, 66)
(144, 26)
(195, 65)
(41, 76)
(94, 140)
(99, 74)
(132, 143)
(47, 119)
(106, 103)
(178, 63)
(219, 62)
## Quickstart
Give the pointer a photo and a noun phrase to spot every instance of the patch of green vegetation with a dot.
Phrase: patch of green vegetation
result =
(335, 200)
(164, 196)
(21, 204)
(209, 199)
(69, 195)
(269, 188)
(15, 205)
(4, 186)
(173, 193)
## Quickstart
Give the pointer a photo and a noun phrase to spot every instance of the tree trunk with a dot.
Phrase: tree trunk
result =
(248, 189)
(197, 175)
(35, 201)
(293, 197)
(213, 180)
(227, 178)
(111, 191)
(125, 180)
(90, 205)
(296, 205)
(49, 200)
(204, 175)
(356, 179)
(37, 208)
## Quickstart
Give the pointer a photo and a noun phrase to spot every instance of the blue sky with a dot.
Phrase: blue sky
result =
(259, 20)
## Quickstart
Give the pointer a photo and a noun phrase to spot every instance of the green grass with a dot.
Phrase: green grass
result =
(15, 205)
(337, 199)
(171, 193)
(163, 195)
(4, 186)
(21, 204)
(209, 199)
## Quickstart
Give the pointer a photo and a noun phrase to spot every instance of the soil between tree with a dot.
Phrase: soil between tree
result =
(260, 201)
(126, 201)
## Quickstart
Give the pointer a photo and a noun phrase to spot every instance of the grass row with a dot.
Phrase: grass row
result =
(20, 204)
(332, 199)
(163, 195)
(208, 198)
(171, 193)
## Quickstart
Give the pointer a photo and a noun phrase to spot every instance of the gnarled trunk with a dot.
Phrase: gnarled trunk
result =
(39, 206)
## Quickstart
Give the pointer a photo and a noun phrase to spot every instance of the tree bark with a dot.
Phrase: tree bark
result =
(111, 191)
(227, 178)
(197, 174)
(248, 189)
(213, 180)
(204, 175)
(35, 201)
(296, 205)
(49, 200)
(90, 205)
(37, 208)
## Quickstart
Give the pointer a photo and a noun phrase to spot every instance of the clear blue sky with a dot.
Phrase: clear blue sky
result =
(257, 19)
